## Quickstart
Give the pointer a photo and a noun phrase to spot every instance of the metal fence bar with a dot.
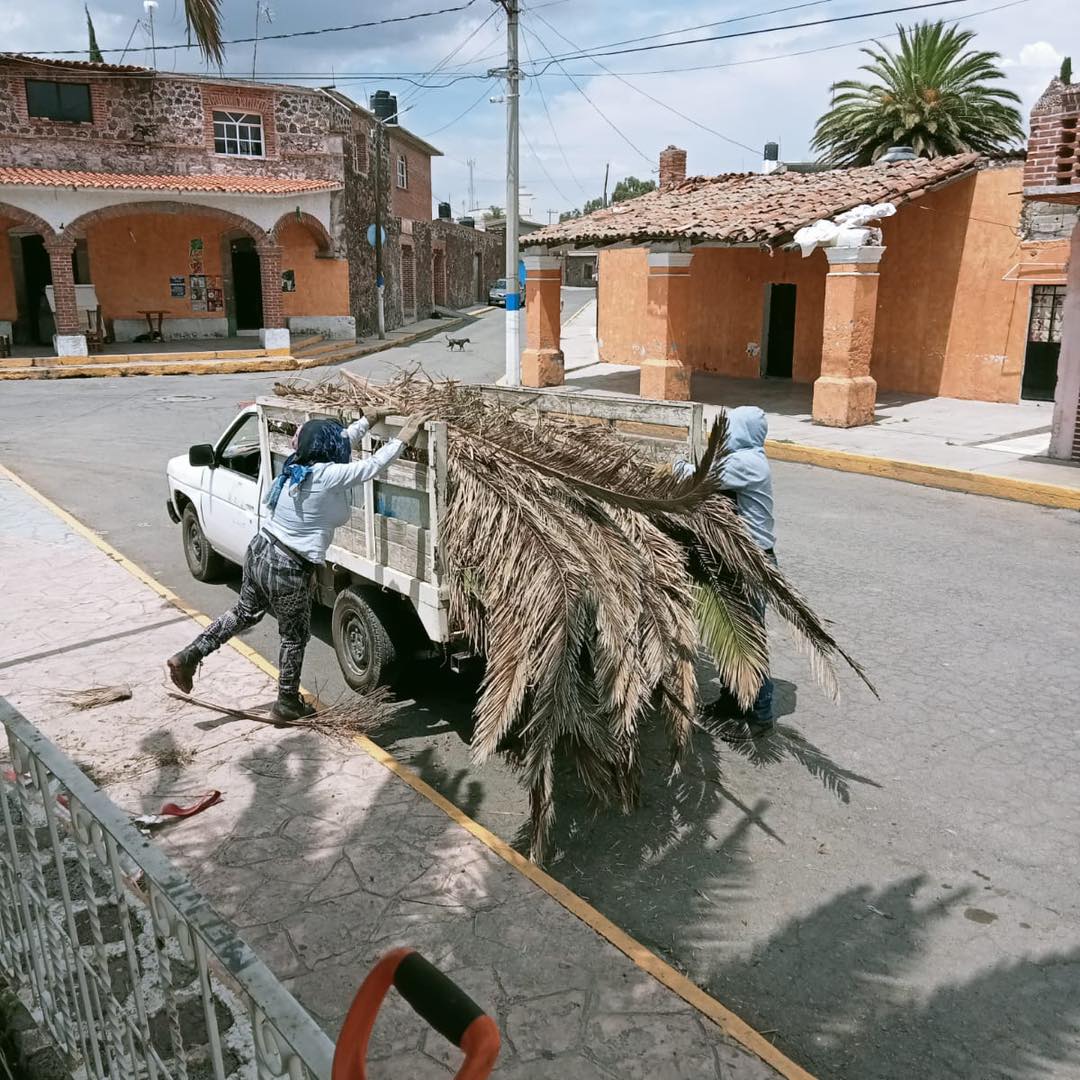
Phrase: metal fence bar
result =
(129, 968)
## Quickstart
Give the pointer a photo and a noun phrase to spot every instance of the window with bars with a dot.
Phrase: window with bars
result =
(238, 134)
(402, 171)
(360, 151)
(1047, 313)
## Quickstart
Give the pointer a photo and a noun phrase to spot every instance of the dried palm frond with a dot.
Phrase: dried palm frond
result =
(94, 696)
(586, 578)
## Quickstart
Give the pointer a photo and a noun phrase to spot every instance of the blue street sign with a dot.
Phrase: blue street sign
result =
(521, 274)
(371, 235)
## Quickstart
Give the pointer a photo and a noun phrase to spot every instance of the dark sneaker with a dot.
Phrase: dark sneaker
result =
(289, 708)
(182, 667)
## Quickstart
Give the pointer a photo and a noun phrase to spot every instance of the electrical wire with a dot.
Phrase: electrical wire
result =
(461, 116)
(416, 93)
(551, 124)
(279, 37)
(584, 55)
(646, 94)
(543, 167)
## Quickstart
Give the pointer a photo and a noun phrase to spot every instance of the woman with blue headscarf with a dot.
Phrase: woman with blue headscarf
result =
(304, 506)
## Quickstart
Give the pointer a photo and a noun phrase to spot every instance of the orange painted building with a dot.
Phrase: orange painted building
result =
(937, 304)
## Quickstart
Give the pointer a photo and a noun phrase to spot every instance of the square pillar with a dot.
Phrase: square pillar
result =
(664, 375)
(1065, 434)
(69, 339)
(845, 394)
(273, 335)
(542, 358)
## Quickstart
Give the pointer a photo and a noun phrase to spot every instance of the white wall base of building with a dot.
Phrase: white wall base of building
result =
(333, 327)
(173, 329)
(274, 338)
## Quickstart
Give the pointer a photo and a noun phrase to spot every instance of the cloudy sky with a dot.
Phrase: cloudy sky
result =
(576, 117)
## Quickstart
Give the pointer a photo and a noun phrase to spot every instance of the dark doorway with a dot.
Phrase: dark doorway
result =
(34, 325)
(247, 284)
(779, 331)
(1044, 343)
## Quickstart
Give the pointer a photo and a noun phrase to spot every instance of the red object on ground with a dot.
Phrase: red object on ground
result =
(435, 998)
(171, 810)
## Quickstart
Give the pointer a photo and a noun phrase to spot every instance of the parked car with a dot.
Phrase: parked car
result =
(497, 293)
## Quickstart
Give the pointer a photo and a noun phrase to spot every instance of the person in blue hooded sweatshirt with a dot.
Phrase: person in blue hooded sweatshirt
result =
(745, 475)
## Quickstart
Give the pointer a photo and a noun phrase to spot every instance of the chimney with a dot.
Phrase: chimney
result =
(770, 158)
(672, 167)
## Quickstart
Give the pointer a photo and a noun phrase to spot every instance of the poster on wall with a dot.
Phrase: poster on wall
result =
(288, 281)
(213, 299)
(198, 292)
(177, 286)
(195, 256)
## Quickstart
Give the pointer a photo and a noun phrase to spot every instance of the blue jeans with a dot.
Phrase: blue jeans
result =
(762, 710)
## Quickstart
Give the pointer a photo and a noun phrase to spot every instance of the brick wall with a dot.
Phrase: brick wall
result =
(672, 166)
(413, 201)
(1054, 144)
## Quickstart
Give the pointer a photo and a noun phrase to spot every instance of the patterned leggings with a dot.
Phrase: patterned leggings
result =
(272, 582)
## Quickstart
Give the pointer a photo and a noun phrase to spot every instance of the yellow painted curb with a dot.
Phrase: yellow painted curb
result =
(171, 367)
(730, 1024)
(912, 472)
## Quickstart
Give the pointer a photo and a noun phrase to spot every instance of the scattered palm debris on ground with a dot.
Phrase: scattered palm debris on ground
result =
(94, 696)
(586, 578)
(358, 714)
(170, 756)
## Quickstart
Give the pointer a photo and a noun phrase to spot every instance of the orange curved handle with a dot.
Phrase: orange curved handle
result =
(434, 997)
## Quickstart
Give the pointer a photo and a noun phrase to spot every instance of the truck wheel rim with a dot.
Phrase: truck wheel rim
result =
(195, 542)
(356, 642)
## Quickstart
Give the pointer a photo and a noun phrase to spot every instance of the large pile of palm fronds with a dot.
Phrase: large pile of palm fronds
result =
(587, 578)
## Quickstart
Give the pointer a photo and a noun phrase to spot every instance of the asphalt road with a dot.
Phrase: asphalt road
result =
(888, 888)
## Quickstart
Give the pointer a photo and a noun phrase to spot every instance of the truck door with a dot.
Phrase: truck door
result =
(230, 510)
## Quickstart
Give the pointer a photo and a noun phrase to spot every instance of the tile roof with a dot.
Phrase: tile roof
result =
(238, 185)
(78, 65)
(754, 208)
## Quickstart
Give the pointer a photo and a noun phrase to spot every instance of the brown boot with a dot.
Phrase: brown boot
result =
(182, 668)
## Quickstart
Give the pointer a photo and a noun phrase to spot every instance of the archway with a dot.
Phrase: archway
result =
(324, 242)
(25, 272)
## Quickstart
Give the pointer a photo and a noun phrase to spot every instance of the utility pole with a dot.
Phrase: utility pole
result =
(607, 169)
(551, 214)
(379, 280)
(472, 184)
(513, 296)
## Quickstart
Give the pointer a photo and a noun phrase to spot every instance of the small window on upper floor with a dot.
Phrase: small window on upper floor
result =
(239, 134)
(402, 171)
(59, 101)
(360, 151)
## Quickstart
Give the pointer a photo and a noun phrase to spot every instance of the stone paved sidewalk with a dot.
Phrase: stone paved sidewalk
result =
(323, 857)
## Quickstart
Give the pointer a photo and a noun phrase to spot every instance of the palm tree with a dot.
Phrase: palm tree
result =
(932, 95)
(204, 22)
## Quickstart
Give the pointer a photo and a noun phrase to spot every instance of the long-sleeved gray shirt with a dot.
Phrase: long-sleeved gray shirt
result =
(305, 519)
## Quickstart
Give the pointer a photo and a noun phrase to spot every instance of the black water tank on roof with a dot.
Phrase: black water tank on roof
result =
(468, 222)
(772, 151)
(444, 211)
(384, 106)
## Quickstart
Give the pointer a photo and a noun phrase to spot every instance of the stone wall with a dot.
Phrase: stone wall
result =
(1043, 222)
(159, 123)
(462, 245)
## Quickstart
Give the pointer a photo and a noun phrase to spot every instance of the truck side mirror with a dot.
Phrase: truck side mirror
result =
(201, 455)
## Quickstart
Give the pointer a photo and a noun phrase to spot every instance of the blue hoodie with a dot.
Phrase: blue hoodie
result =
(745, 472)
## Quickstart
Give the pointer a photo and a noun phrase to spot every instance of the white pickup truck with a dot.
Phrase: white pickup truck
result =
(382, 574)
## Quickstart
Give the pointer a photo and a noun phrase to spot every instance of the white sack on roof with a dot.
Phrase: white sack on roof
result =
(848, 229)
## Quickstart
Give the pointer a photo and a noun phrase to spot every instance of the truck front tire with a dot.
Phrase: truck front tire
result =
(365, 651)
(203, 561)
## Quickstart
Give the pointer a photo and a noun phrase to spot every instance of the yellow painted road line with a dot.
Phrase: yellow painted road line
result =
(912, 472)
(642, 957)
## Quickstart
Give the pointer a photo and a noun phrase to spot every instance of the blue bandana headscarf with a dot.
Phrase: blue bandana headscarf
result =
(319, 442)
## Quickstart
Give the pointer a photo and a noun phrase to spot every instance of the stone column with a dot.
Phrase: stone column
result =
(844, 394)
(273, 335)
(542, 358)
(70, 338)
(1065, 437)
(664, 374)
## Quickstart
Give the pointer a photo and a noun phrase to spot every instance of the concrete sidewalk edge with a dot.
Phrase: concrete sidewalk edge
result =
(728, 1022)
(382, 346)
(912, 472)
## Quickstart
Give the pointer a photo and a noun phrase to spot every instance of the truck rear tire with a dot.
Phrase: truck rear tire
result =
(203, 561)
(365, 651)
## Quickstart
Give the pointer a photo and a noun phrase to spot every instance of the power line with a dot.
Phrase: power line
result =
(551, 124)
(585, 55)
(281, 37)
(416, 92)
(461, 116)
(596, 108)
(655, 100)
(543, 167)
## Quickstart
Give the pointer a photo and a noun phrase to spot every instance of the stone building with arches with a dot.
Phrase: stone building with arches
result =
(208, 208)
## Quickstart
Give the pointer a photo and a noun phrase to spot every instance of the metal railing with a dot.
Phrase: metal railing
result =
(122, 961)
